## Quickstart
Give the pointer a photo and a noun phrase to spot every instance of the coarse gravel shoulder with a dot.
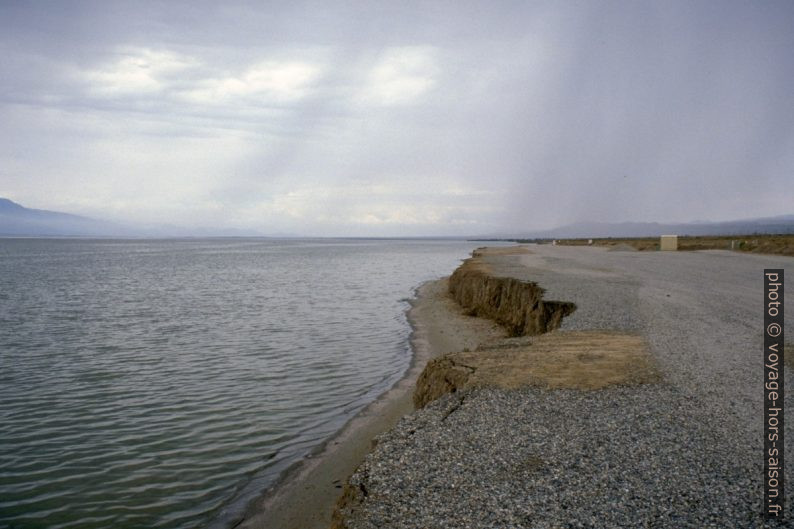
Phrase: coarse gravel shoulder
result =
(687, 452)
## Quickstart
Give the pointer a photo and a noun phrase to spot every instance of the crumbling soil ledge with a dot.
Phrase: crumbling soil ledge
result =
(585, 360)
(679, 453)
(517, 305)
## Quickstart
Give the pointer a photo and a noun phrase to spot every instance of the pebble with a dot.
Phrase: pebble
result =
(685, 453)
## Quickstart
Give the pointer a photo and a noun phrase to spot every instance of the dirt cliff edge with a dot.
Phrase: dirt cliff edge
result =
(517, 305)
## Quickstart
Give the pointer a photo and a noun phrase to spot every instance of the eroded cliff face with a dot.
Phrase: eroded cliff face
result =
(517, 305)
(441, 376)
(584, 360)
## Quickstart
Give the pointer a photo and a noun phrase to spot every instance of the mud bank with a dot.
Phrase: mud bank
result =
(476, 291)
(306, 496)
(517, 305)
(591, 440)
(583, 360)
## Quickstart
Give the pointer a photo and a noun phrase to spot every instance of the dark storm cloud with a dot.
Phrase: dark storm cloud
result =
(413, 118)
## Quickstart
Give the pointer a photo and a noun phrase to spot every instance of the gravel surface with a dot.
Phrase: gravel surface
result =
(684, 453)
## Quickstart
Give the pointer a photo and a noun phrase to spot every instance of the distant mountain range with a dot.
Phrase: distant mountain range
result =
(19, 221)
(781, 224)
(16, 220)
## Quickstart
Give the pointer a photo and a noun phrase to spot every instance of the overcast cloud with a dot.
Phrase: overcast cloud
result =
(400, 118)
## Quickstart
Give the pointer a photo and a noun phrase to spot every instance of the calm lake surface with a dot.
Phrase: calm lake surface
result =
(163, 384)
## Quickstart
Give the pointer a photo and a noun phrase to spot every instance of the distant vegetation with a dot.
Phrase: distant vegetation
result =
(768, 244)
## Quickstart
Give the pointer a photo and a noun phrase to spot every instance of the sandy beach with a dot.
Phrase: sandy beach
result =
(642, 409)
(306, 496)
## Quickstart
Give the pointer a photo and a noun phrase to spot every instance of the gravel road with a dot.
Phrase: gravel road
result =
(684, 453)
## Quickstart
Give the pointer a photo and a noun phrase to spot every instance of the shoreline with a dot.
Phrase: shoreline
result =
(542, 430)
(305, 496)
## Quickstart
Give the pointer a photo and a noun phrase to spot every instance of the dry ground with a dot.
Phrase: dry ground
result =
(585, 360)
(767, 244)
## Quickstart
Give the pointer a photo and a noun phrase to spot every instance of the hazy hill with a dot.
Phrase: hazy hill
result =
(19, 221)
(783, 224)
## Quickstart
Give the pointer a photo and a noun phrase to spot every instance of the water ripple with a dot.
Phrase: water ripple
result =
(161, 384)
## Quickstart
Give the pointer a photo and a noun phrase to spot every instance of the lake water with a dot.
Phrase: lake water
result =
(163, 384)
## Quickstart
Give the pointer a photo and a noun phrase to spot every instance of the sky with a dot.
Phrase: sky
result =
(398, 118)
